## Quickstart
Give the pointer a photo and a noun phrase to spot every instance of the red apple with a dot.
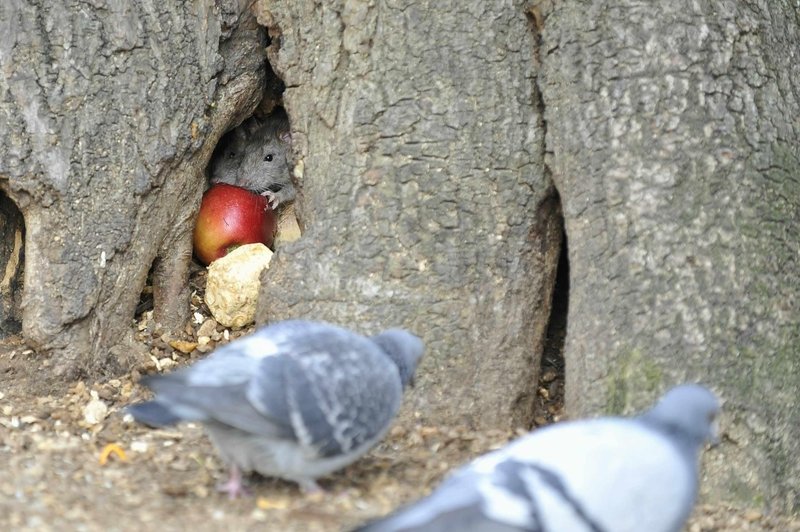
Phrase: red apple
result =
(231, 217)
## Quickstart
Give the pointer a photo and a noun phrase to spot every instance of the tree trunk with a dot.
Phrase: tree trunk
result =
(110, 115)
(424, 199)
(676, 151)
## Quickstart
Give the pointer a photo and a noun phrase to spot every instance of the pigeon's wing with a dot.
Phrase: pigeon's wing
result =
(459, 504)
(337, 390)
(216, 388)
(604, 474)
(177, 399)
(238, 361)
(182, 399)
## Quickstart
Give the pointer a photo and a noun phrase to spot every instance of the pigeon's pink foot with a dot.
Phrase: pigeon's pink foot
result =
(234, 486)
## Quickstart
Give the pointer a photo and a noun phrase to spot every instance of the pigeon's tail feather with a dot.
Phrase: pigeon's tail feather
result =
(154, 414)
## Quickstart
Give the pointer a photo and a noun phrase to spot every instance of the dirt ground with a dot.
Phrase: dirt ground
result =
(74, 461)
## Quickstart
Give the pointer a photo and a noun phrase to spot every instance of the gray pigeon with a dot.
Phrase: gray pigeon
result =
(295, 400)
(600, 475)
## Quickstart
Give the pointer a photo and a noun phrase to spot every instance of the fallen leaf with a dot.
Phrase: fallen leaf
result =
(183, 346)
(271, 504)
(108, 450)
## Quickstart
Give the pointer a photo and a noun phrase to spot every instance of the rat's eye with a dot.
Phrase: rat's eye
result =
(268, 157)
(231, 154)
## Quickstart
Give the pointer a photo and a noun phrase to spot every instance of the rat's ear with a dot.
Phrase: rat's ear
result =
(285, 136)
(250, 126)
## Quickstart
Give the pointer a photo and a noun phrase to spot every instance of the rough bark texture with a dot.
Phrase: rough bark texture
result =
(422, 190)
(109, 117)
(676, 150)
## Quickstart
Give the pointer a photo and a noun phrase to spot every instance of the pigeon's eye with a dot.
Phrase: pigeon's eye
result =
(268, 157)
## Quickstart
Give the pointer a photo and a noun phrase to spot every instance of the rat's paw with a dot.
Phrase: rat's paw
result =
(272, 198)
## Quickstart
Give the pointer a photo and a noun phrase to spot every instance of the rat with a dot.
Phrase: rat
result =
(255, 156)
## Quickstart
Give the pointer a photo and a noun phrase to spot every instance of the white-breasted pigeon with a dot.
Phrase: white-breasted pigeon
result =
(598, 475)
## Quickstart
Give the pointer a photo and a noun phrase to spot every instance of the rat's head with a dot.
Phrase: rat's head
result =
(265, 164)
(228, 156)
(254, 155)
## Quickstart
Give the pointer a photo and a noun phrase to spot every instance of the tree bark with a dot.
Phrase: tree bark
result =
(423, 196)
(675, 146)
(110, 114)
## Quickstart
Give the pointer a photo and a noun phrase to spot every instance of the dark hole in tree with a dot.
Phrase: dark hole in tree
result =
(549, 402)
(271, 98)
(271, 101)
(146, 301)
(12, 266)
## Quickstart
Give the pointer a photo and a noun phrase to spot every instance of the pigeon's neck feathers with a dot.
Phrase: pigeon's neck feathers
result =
(404, 349)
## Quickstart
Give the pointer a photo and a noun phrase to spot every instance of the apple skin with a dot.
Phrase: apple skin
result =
(230, 217)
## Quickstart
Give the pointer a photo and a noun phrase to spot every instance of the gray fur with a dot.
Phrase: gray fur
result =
(255, 156)
(599, 475)
(296, 399)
